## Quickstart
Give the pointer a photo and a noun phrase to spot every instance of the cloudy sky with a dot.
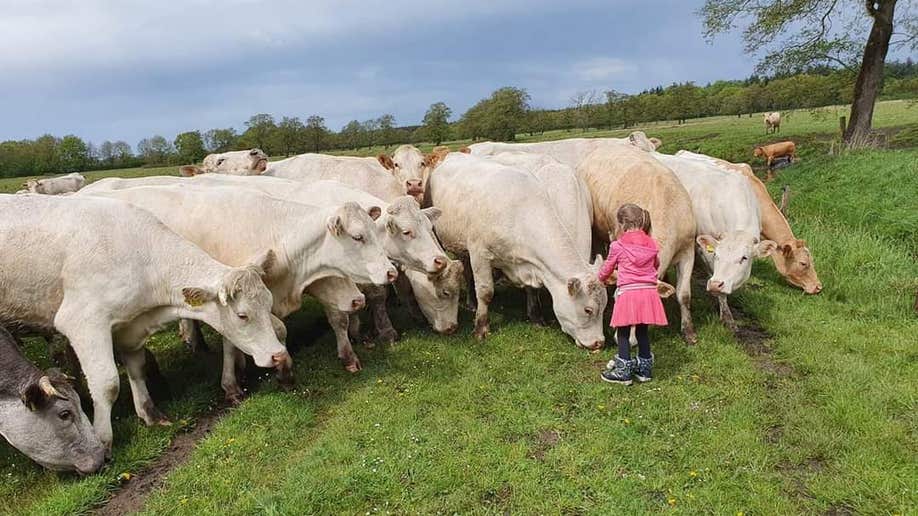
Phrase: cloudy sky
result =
(127, 69)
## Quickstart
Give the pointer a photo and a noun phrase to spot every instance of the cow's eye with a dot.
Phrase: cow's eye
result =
(445, 293)
(406, 232)
(65, 415)
(743, 259)
(588, 310)
(220, 161)
(244, 317)
(804, 264)
(358, 238)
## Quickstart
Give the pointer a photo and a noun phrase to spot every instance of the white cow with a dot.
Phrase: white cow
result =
(311, 243)
(728, 221)
(56, 185)
(571, 199)
(503, 218)
(251, 162)
(772, 122)
(106, 275)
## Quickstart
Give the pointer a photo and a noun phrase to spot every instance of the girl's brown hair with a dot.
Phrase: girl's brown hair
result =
(632, 216)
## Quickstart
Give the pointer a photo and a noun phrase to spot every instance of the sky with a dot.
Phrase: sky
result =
(128, 69)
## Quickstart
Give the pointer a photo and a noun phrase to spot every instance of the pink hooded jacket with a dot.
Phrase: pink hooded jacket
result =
(635, 256)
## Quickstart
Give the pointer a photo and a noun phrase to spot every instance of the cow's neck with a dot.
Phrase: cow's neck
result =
(308, 258)
(557, 261)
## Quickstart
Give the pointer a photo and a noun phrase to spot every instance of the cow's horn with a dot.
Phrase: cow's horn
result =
(44, 383)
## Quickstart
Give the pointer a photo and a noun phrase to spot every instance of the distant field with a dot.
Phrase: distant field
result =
(812, 411)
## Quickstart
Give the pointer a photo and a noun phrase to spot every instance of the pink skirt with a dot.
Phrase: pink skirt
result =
(641, 306)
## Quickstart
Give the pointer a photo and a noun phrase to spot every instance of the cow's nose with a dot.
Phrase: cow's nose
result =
(391, 275)
(358, 303)
(451, 329)
(282, 359)
(439, 263)
(597, 345)
(715, 286)
(817, 289)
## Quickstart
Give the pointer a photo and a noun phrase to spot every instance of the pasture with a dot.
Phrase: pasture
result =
(810, 408)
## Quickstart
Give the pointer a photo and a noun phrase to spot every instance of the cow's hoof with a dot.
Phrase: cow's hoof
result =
(388, 336)
(369, 344)
(234, 396)
(354, 366)
(690, 337)
(482, 333)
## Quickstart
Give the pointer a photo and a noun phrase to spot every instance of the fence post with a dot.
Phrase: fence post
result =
(842, 126)
(785, 198)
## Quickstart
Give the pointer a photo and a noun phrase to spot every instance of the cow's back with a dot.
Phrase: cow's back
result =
(361, 173)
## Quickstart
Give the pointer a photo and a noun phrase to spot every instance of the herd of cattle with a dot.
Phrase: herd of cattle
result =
(239, 243)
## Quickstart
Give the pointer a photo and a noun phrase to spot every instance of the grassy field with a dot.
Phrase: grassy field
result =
(813, 410)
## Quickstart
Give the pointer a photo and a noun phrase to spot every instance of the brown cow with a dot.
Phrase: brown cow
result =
(775, 150)
(794, 260)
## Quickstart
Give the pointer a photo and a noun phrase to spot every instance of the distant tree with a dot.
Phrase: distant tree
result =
(794, 35)
(220, 140)
(499, 117)
(290, 135)
(260, 129)
(615, 110)
(107, 153)
(350, 135)
(121, 152)
(155, 150)
(582, 104)
(73, 154)
(386, 128)
(436, 122)
(189, 147)
(370, 132)
(316, 133)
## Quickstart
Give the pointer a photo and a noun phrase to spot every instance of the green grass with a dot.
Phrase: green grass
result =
(824, 421)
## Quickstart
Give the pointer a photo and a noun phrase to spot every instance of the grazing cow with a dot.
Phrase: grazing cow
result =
(571, 199)
(617, 171)
(728, 224)
(310, 243)
(502, 218)
(772, 122)
(793, 259)
(41, 416)
(55, 185)
(106, 275)
(776, 150)
(408, 238)
(250, 162)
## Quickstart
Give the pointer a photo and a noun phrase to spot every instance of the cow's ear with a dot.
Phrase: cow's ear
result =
(195, 296)
(374, 212)
(656, 142)
(786, 250)
(573, 286)
(190, 170)
(800, 243)
(386, 161)
(432, 213)
(33, 397)
(265, 261)
(465, 150)
(765, 248)
(334, 225)
(707, 242)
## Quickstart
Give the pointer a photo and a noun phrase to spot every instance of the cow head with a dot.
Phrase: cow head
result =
(438, 295)
(47, 423)
(641, 141)
(239, 308)
(250, 162)
(579, 307)
(355, 247)
(794, 261)
(409, 236)
(758, 152)
(339, 293)
(406, 165)
(731, 256)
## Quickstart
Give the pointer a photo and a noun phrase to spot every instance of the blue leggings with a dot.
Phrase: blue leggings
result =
(624, 346)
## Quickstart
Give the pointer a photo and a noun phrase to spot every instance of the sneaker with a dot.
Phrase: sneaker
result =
(643, 369)
(620, 372)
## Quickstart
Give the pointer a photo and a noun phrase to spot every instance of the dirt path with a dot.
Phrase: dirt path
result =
(132, 496)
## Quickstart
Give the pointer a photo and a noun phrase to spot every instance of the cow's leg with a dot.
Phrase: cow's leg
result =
(232, 371)
(684, 266)
(353, 327)
(725, 314)
(135, 363)
(284, 370)
(340, 323)
(92, 343)
(484, 291)
(191, 335)
(406, 297)
(376, 304)
(534, 306)
(471, 301)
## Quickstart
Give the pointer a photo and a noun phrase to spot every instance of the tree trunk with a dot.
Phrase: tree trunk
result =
(867, 86)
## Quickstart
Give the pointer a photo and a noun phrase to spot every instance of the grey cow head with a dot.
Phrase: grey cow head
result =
(47, 423)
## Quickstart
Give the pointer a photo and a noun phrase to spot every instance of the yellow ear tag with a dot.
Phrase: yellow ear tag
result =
(709, 248)
(195, 302)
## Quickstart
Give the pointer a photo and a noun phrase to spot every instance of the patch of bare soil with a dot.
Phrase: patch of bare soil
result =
(544, 441)
(131, 497)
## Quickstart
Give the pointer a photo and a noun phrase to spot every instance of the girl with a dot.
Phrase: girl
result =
(637, 302)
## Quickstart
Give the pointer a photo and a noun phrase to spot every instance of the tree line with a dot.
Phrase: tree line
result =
(500, 117)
